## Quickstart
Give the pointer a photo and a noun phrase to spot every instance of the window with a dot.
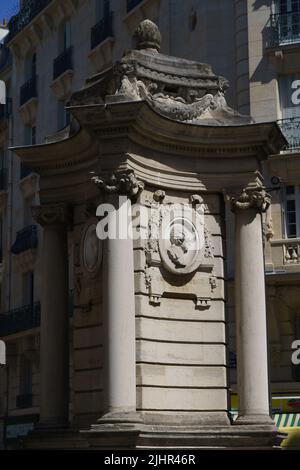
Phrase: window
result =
(292, 211)
(28, 288)
(289, 88)
(30, 66)
(289, 25)
(64, 36)
(30, 135)
(25, 376)
(64, 115)
(102, 9)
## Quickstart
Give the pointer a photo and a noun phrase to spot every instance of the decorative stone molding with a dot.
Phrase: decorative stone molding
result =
(62, 86)
(28, 112)
(91, 249)
(123, 183)
(180, 248)
(52, 215)
(28, 185)
(254, 196)
(182, 243)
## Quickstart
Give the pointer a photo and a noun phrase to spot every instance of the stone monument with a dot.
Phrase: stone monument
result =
(153, 135)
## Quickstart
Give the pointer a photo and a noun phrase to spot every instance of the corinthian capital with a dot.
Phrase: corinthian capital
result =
(252, 197)
(123, 183)
(52, 215)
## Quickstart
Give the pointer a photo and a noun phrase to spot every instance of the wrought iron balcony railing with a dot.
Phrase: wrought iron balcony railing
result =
(27, 239)
(24, 401)
(131, 4)
(28, 90)
(63, 62)
(291, 130)
(3, 179)
(29, 11)
(102, 30)
(25, 318)
(284, 28)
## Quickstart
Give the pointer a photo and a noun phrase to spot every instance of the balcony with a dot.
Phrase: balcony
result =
(24, 401)
(63, 62)
(25, 318)
(286, 254)
(29, 11)
(28, 90)
(291, 130)
(131, 4)
(27, 239)
(285, 29)
(102, 30)
(3, 179)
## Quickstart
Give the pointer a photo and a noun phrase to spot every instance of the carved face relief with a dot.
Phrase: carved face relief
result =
(91, 249)
(182, 244)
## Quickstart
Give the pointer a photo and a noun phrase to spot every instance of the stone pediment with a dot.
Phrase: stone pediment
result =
(179, 89)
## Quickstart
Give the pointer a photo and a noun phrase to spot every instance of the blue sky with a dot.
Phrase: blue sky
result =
(7, 8)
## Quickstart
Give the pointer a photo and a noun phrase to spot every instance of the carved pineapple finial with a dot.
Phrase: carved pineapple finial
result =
(147, 36)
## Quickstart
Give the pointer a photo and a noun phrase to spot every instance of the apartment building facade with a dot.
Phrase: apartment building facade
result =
(51, 48)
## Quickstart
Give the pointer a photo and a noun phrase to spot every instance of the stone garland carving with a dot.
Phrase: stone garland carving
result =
(179, 89)
(123, 183)
(52, 215)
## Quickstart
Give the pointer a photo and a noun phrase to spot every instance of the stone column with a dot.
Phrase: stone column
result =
(251, 324)
(54, 333)
(119, 301)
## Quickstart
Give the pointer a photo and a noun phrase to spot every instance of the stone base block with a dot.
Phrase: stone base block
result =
(120, 437)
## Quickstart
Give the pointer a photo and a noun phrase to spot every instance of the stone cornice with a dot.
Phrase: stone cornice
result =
(148, 128)
(75, 153)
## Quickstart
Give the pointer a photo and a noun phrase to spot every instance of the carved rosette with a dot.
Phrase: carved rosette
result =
(122, 183)
(250, 198)
(52, 215)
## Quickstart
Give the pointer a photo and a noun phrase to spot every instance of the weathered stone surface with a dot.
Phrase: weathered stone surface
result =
(182, 400)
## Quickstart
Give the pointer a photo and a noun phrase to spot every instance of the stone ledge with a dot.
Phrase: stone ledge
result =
(183, 437)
